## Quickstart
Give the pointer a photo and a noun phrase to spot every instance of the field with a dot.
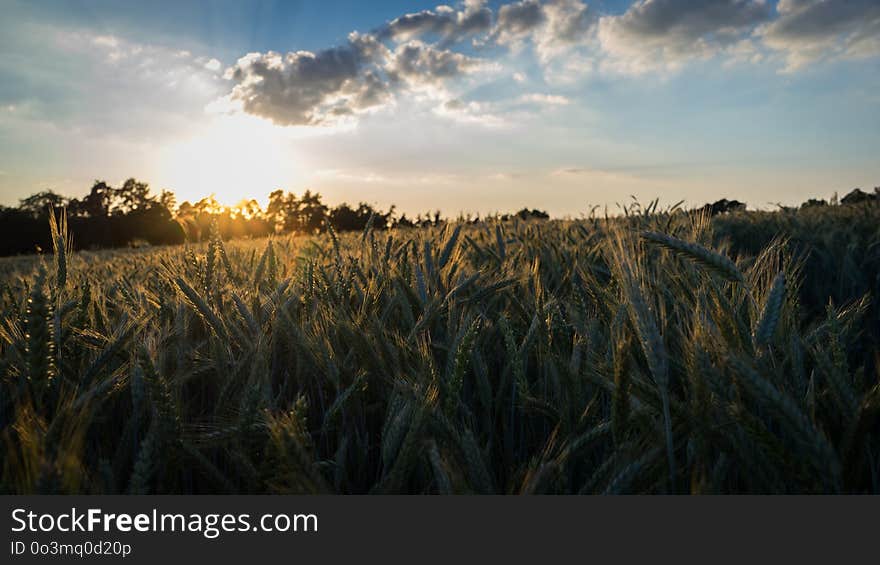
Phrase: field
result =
(658, 352)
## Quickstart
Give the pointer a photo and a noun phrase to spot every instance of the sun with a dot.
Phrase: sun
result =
(234, 157)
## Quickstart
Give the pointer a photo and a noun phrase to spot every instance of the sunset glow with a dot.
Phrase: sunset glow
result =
(235, 157)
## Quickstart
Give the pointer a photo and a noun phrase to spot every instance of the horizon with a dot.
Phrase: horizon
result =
(610, 210)
(473, 108)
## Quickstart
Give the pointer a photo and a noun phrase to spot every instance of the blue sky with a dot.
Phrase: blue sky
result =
(555, 104)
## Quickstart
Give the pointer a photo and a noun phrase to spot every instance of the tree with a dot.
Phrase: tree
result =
(724, 206)
(404, 222)
(97, 203)
(858, 196)
(283, 211)
(312, 213)
(208, 205)
(346, 218)
(533, 214)
(168, 200)
(131, 196)
(813, 203)
(248, 209)
(37, 205)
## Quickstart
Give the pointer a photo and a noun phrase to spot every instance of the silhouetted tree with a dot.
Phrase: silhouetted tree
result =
(97, 203)
(37, 205)
(812, 202)
(312, 213)
(404, 222)
(724, 206)
(346, 218)
(131, 196)
(533, 214)
(283, 211)
(858, 196)
(168, 200)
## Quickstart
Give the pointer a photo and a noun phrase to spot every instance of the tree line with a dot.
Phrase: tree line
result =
(132, 215)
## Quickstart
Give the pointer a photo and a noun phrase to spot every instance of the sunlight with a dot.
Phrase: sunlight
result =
(235, 157)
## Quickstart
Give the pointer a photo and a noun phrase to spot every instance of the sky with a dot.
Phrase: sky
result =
(470, 107)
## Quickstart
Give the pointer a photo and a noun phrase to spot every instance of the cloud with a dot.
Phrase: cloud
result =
(554, 28)
(664, 34)
(566, 23)
(809, 30)
(449, 25)
(420, 64)
(305, 88)
(317, 89)
(595, 174)
(499, 113)
(471, 113)
(544, 99)
(213, 65)
(517, 21)
(106, 41)
(101, 84)
(422, 53)
(369, 177)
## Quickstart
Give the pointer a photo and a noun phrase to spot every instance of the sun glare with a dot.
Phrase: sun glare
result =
(236, 157)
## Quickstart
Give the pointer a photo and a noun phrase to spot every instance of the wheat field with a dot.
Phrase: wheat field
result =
(661, 351)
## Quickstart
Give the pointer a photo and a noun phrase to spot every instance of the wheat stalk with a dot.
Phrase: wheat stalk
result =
(711, 260)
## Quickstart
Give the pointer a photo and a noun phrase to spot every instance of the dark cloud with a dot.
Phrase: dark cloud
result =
(304, 88)
(691, 20)
(663, 33)
(806, 30)
(518, 20)
(551, 26)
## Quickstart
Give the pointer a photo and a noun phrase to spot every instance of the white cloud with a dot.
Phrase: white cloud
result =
(443, 22)
(106, 41)
(744, 51)
(213, 65)
(471, 113)
(499, 113)
(338, 84)
(418, 53)
(106, 84)
(595, 174)
(367, 177)
(567, 23)
(420, 64)
(544, 99)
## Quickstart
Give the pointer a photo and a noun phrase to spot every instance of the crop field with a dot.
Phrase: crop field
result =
(656, 352)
